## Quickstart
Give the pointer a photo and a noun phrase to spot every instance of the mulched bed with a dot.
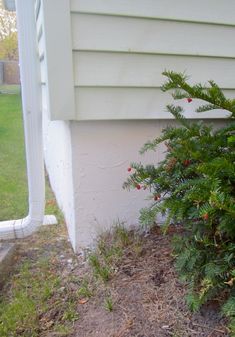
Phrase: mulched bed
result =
(148, 300)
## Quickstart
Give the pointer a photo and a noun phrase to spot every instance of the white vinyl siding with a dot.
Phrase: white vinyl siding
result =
(210, 11)
(121, 48)
(106, 103)
(151, 36)
(103, 59)
(141, 70)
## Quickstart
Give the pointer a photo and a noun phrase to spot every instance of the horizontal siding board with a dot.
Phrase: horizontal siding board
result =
(220, 12)
(131, 103)
(141, 70)
(105, 33)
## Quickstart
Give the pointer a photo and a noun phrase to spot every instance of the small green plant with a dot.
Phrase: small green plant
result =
(121, 235)
(195, 186)
(70, 313)
(100, 270)
(62, 330)
(108, 304)
(110, 248)
(84, 289)
(137, 246)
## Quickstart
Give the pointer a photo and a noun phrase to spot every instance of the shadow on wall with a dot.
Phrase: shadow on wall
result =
(9, 72)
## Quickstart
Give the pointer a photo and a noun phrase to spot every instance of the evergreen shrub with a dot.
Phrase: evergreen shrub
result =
(194, 186)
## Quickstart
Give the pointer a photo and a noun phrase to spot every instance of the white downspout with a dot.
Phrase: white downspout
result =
(32, 115)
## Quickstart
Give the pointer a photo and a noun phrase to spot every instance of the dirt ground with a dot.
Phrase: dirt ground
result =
(148, 300)
(145, 296)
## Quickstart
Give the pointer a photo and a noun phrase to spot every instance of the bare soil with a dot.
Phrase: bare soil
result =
(147, 297)
(148, 300)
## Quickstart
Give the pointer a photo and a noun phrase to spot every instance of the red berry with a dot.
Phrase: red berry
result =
(189, 100)
(186, 162)
(138, 186)
(157, 197)
(205, 216)
(129, 169)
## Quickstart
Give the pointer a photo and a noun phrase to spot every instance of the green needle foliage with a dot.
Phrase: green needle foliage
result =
(195, 186)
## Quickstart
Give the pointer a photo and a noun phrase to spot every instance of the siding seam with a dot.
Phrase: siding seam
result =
(214, 23)
(151, 53)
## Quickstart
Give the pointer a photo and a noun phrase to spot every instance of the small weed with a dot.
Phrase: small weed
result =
(108, 304)
(105, 273)
(62, 330)
(84, 290)
(113, 255)
(121, 234)
(137, 246)
(109, 250)
(100, 270)
(176, 334)
(70, 314)
(94, 261)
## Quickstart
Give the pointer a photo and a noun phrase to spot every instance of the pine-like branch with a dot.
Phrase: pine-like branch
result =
(212, 94)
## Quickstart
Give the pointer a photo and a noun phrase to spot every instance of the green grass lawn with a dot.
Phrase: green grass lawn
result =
(34, 279)
(10, 89)
(13, 178)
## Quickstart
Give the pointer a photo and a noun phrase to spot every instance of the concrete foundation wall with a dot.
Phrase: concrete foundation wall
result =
(58, 160)
(102, 152)
(87, 164)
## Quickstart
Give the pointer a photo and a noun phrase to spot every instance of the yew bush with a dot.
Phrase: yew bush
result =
(194, 186)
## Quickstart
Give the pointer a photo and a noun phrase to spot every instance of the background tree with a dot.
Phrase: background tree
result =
(8, 35)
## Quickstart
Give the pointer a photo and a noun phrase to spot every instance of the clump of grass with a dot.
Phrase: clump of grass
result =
(121, 235)
(110, 249)
(100, 270)
(70, 313)
(108, 303)
(61, 330)
(84, 289)
(137, 246)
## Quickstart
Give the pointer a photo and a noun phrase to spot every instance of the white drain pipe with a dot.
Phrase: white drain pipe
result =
(32, 115)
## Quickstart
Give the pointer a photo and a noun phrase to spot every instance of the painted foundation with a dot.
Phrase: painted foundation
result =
(87, 163)
(102, 152)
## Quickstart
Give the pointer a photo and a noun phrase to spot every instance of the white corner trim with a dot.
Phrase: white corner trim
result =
(58, 57)
(31, 102)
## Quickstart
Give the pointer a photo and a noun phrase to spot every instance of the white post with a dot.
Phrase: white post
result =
(31, 101)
